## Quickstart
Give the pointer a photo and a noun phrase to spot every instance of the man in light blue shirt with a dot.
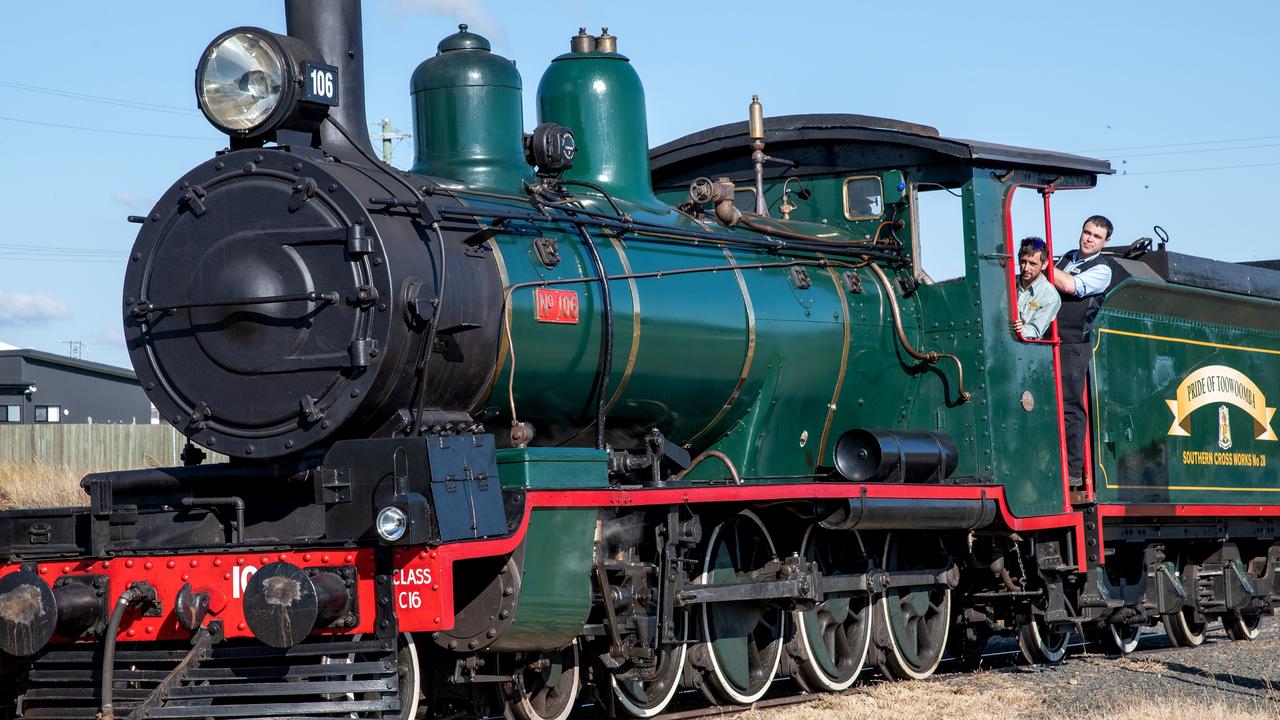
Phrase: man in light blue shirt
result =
(1038, 300)
(1082, 277)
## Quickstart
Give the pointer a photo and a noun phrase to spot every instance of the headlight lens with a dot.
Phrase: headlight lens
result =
(391, 524)
(242, 78)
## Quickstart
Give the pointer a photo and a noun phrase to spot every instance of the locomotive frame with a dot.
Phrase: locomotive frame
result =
(801, 476)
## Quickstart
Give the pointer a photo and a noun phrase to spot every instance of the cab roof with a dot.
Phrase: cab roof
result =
(843, 142)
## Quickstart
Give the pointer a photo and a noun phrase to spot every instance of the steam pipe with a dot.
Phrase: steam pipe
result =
(724, 460)
(334, 28)
(137, 592)
(930, 356)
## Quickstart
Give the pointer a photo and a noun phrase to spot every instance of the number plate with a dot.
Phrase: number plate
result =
(557, 306)
(322, 83)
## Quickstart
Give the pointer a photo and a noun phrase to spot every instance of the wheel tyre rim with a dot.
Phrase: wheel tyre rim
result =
(720, 680)
(634, 706)
(410, 672)
(1245, 627)
(1193, 632)
(1182, 629)
(1040, 646)
(820, 667)
(902, 666)
(555, 699)
(1127, 642)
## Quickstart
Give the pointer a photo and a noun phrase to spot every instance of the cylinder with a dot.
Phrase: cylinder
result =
(80, 607)
(468, 116)
(895, 455)
(599, 96)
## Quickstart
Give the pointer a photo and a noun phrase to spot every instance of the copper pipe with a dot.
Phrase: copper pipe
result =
(760, 227)
(733, 472)
(727, 214)
(931, 356)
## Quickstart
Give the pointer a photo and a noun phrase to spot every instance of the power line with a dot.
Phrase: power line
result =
(1200, 169)
(1198, 150)
(32, 257)
(1183, 144)
(54, 253)
(106, 130)
(119, 102)
(59, 248)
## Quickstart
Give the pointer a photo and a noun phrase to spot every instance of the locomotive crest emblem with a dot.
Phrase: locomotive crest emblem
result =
(1220, 385)
(1224, 428)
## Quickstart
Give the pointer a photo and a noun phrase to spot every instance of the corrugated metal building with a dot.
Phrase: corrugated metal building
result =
(41, 387)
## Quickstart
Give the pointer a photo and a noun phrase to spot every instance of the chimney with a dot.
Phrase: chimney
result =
(333, 27)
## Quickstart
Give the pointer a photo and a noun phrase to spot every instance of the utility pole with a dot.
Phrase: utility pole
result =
(386, 140)
(389, 137)
(75, 348)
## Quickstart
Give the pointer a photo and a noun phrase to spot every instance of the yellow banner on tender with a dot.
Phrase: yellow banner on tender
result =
(1220, 384)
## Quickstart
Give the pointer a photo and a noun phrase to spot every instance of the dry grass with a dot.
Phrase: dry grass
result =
(1181, 709)
(996, 698)
(35, 485)
(992, 696)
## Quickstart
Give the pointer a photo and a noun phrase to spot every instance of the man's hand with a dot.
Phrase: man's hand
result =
(1017, 326)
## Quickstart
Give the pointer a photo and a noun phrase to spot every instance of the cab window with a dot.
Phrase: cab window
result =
(863, 198)
(1025, 224)
(937, 222)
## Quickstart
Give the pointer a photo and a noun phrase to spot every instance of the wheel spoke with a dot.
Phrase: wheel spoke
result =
(732, 654)
(743, 639)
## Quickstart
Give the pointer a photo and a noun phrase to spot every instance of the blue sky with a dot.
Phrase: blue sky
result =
(1180, 96)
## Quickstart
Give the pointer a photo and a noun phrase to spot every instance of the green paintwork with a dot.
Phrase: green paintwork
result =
(600, 98)
(467, 115)
(555, 585)
(743, 361)
(545, 468)
(1152, 337)
(695, 337)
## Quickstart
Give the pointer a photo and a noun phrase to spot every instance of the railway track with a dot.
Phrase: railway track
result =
(790, 694)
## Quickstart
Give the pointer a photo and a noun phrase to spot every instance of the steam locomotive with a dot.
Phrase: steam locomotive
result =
(558, 414)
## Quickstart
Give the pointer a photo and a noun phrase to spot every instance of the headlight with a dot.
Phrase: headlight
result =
(240, 81)
(391, 523)
(251, 81)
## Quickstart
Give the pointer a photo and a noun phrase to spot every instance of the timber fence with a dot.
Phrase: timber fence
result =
(100, 447)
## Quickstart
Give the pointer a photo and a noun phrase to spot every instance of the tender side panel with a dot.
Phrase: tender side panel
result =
(1187, 387)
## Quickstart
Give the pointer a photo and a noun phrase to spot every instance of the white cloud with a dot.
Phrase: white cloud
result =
(128, 199)
(17, 308)
(471, 12)
(113, 337)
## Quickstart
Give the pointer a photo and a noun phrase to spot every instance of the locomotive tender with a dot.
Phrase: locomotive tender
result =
(559, 412)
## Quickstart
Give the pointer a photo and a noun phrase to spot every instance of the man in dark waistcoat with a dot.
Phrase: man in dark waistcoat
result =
(1082, 276)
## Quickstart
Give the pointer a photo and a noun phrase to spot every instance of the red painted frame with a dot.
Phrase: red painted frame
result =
(423, 575)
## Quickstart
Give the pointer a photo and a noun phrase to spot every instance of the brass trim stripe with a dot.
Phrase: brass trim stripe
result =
(1190, 487)
(844, 364)
(635, 325)
(750, 355)
(1097, 420)
(1186, 341)
(503, 346)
